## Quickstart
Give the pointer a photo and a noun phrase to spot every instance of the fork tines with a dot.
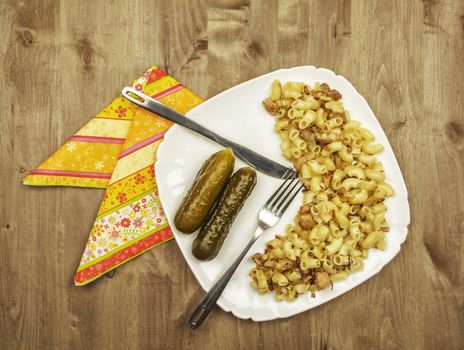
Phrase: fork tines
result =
(284, 195)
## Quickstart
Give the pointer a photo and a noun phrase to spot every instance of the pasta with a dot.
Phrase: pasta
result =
(343, 211)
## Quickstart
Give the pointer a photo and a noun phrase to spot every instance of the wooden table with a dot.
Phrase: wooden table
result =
(62, 61)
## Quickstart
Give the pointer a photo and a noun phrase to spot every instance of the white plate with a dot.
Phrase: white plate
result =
(238, 114)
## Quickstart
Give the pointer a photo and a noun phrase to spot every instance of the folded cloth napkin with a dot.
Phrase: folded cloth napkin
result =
(117, 150)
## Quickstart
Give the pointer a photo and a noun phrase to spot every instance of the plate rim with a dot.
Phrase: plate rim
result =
(403, 229)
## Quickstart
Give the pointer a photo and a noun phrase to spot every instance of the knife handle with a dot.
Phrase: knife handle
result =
(168, 113)
(164, 111)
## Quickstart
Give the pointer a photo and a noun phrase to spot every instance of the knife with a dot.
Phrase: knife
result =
(255, 159)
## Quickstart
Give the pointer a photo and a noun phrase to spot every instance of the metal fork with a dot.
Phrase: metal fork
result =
(268, 216)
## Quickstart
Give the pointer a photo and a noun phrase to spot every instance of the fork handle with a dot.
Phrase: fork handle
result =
(209, 300)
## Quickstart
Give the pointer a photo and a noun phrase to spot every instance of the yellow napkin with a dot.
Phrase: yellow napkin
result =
(117, 150)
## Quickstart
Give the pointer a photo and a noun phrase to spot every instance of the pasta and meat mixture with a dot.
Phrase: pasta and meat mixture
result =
(343, 211)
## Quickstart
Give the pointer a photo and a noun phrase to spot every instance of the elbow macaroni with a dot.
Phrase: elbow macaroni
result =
(343, 212)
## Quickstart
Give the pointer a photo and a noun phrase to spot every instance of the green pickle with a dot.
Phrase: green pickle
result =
(212, 235)
(207, 186)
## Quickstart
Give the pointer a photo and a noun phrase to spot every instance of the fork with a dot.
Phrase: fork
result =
(268, 216)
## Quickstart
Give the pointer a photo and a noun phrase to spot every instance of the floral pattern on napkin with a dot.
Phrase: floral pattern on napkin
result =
(123, 226)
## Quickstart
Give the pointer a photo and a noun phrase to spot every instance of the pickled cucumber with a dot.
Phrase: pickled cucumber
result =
(208, 184)
(213, 233)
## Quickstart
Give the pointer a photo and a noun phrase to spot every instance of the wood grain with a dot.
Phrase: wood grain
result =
(62, 61)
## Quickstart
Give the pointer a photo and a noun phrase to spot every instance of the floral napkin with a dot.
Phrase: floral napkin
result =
(117, 150)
